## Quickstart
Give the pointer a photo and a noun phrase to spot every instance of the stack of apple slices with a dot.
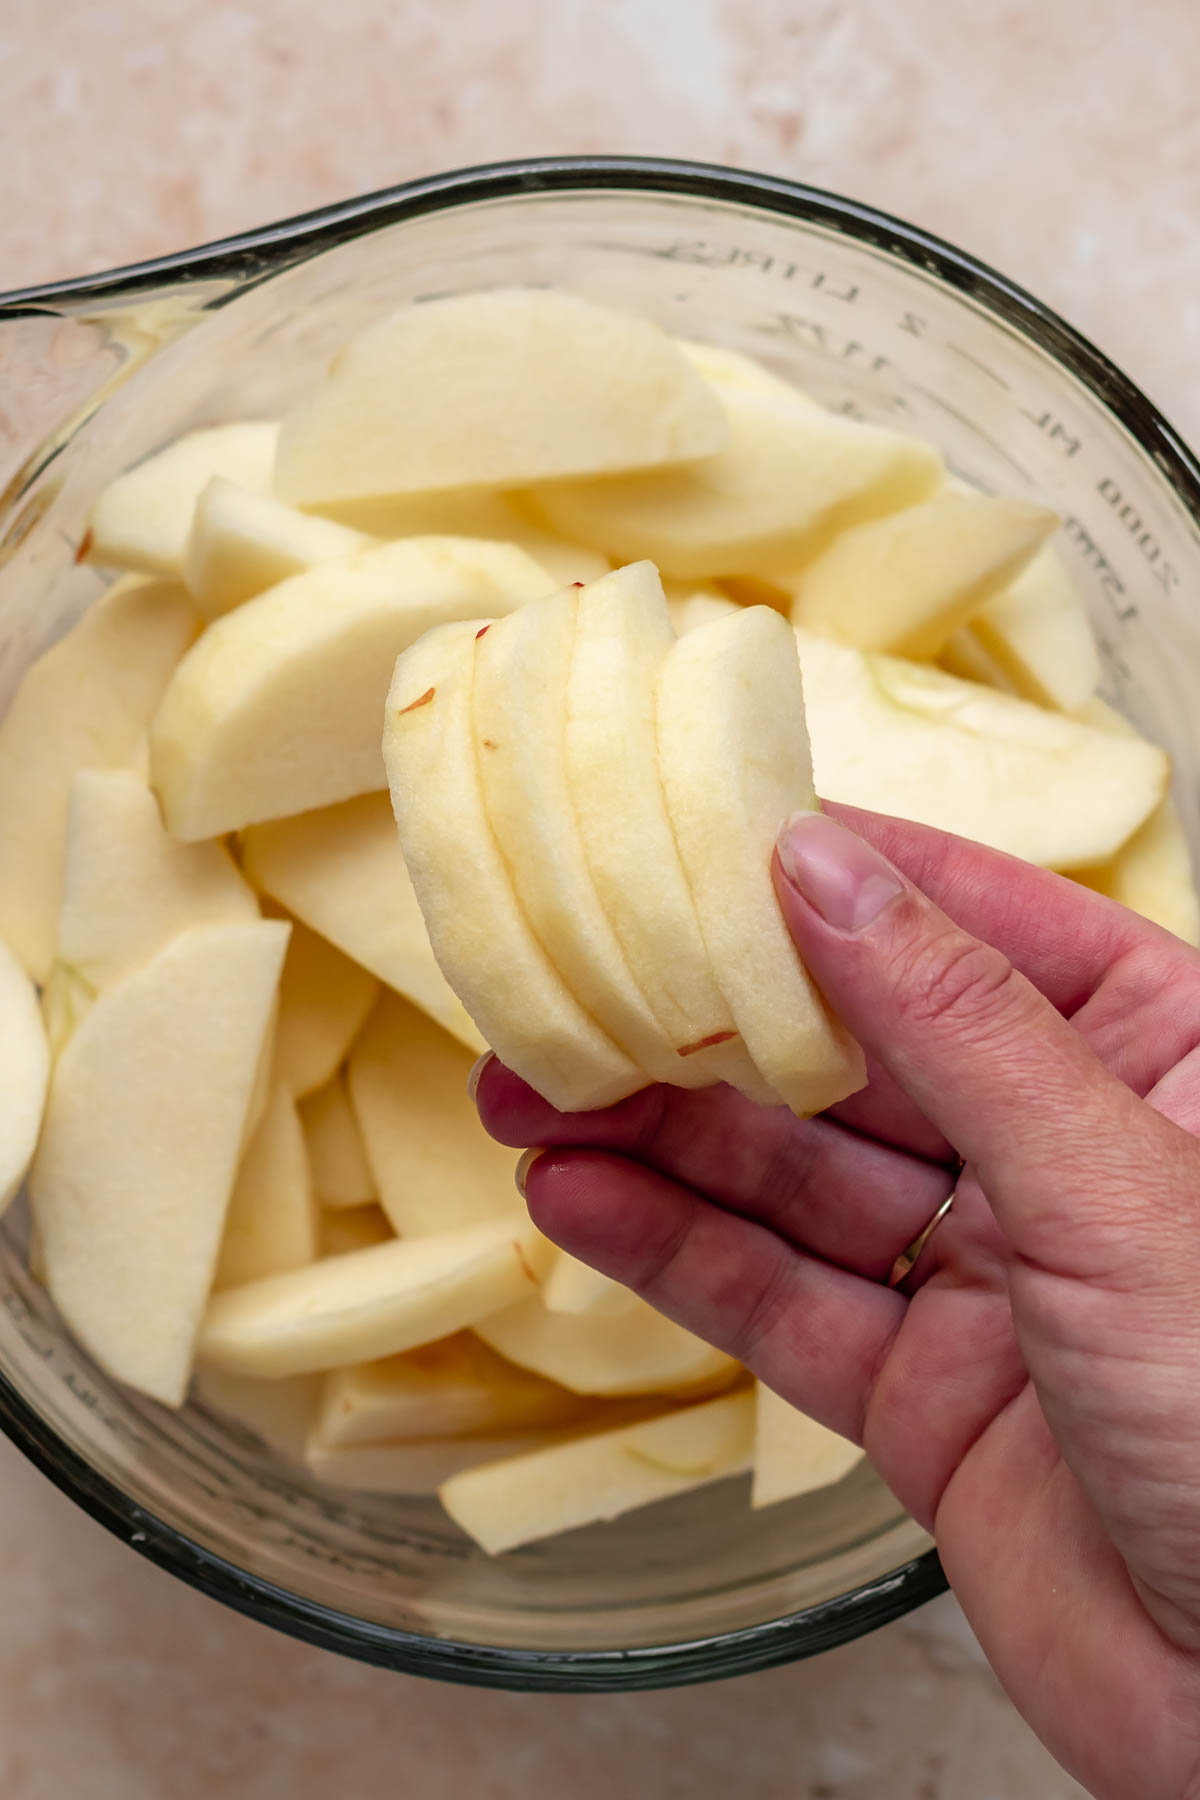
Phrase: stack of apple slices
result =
(259, 1180)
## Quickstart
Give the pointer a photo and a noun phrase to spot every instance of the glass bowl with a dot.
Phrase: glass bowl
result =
(869, 315)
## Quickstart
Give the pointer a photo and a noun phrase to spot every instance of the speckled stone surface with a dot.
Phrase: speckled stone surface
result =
(1060, 140)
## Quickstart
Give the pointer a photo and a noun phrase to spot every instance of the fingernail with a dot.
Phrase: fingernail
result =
(521, 1172)
(840, 876)
(476, 1074)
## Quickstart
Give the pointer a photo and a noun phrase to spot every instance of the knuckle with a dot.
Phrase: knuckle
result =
(763, 1311)
(952, 980)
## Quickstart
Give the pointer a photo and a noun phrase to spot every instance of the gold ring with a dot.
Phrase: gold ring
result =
(906, 1262)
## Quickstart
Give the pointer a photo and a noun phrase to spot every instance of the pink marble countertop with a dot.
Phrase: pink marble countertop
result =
(1058, 139)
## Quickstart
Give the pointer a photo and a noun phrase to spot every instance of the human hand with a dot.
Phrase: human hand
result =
(1032, 1392)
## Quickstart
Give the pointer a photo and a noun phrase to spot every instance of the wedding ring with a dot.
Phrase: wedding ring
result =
(906, 1262)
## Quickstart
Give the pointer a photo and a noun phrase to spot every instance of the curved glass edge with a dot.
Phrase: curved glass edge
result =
(789, 1639)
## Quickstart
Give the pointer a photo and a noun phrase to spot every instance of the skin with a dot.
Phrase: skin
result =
(1032, 1392)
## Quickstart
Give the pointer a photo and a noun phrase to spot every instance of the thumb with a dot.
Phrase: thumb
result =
(1075, 1165)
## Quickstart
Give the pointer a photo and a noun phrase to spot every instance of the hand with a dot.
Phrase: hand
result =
(1032, 1394)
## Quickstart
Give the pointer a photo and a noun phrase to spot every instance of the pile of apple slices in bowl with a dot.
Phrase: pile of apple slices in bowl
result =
(602, 608)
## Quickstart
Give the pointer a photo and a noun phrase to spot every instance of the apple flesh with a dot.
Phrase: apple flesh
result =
(340, 1170)
(324, 1000)
(587, 1354)
(242, 542)
(272, 1223)
(24, 1073)
(793, 1454)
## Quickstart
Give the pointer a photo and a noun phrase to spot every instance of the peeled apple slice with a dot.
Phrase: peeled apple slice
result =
(418, 1466)
(906, 582)
(480, 933)
(794, 1455)
(24, 1073)
(632, 866)
(128, 888)
(434, 1165)
(1152, 875)
(278, 1412)
(340, 1171)
(1039, 634)
(445, 1389)
(242, 543)
(591, 1355)
(140, 1143)
(573, 1287)
(277, 709)
(520, 710)
(142, 520)
(494, 389)
(601, 1475)
(272, 1223)
(690, 605)
(85, 703)
(901, 737)
(734, 762)
(353, 1228)
(341, 870)
(371, 1303)
(324, 999)
(791, 471)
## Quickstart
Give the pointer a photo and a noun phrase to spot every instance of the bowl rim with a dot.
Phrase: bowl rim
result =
(243, 260)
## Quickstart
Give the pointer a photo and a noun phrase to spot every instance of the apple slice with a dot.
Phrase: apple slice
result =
(341, 870)
(434, 1166)
(139, 1149)
(1152, 875)
(142, 519)
(458, 392)
(128, 888)
(85, 703)
(792, 476)
(353, 1228)
(601, 1475)
(277, 709)
(340, 1171)
(590, 1355)
(906, 582)
(794, 1455)
(371, 1303)
(690, 605)
(444, 1389)
(901, 737)
(1039, 633)
(734, 761)
(242, 543)
(272, 1223)
(278, 1412)
(417, 1467)
(522, 668)
(573, 1287)
(324, 999)
(24, 1073)
(965, 655)
(631, 863)
(479, 932)
(728, 368)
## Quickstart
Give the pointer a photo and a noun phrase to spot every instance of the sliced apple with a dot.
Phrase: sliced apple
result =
(128, 888)
(729, 368)
(371, 1303)
(589, 1355)
(434, 1166)
(522, 666)
(340, 1171)
(353, 1228)
(272, 1223)
(417, 1467)
(1152, 875)
(445, 1389)
(794, 1455)
(964, 654)
(690, 605)
(278, 707)
(454, 393)
(601, 1475)
(901, 737)
(478, 929)
(1039, 633)
(142, 519)
(324, 999)
(734, 761)
(24, 1073)
(906, 582)
(85, 703)
(630, 864)
(573, 1287)
(791, 476)
(278, 1412)
(138, 1152)
(242, 542)
(341, 870)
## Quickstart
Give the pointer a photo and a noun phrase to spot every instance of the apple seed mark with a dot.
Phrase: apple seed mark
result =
(85, 544)
(422, 700)
(706, 1043)
(482, 632)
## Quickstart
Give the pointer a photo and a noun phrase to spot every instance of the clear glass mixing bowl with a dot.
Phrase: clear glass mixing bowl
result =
(867, 314)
